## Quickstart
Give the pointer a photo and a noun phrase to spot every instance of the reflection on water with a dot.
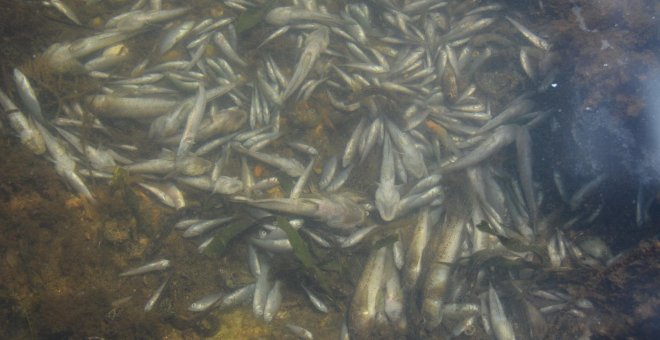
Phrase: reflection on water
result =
(390, 169)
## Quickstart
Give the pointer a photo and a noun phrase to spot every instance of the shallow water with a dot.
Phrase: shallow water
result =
(61, 256)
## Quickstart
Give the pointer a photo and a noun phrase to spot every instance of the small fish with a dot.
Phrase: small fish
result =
(364, 304)
(134, 107)
(524, 151)
(99, 158)
(282, 16)
(154, 298)
(135, 20)
(316, 301)
(24, 127)
(420, 238)
(300, 332)
(529, 35)
(297, 189)
(261, 290)
(340, 179)
(205, 302)
(447, 249)
(266, 184)
(148, 268)
(357, 236)
(501, 137)
(372, 136)
(387, 196)
(167, 193)
(237, 297)
(65, 165)
(291, 166)
(273, 301)
(514, 110)
(305, 148)
(501, 325)
(274, 246)
(394, 298)
(225, 185)
(64, 9)
(184, 224)
(352, 144)
(583, 192)
(410, 203)
(192, 124)
(339, 211)
(412, 159)
(227, 49)
(315, 44)
(328, 172)
(174, 35)
(203, 227)
(27, 94)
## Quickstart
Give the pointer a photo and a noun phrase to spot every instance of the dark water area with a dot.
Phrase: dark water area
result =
(61, 254)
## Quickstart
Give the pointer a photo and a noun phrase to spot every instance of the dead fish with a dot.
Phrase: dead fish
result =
(159, 265)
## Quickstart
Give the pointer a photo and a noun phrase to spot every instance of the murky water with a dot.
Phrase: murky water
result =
(597, 112)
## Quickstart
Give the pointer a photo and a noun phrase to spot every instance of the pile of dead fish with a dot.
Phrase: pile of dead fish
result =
(440, 93)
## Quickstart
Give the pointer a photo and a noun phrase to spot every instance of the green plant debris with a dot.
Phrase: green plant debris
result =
(303, 254)
(300, 248)
(223, 237)
(514, 244)
(286, 183)
(121, 181)
(252, 17)
(386, 241)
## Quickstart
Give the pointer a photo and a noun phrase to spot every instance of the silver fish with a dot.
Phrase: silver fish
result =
(351, 149)
(128, 107)
(387, 196)
(147, 268)
(529, 35)
(420, 238)
(290, 166)
(297, 189)
(65, 165)
(328, 172)
(205, 302)
(227, 49)
(204, 226)
(273, 301)
(300, 332)
(501, 137)
(192, 124)
(174, 35)
(281, 16)
(27, 94)
(412, 159)
(66, 10)
(447, 245)
(316, 301)
(261, 290)
(524, 150)
(167, 193)
(363, 308)
(315, 44)
(151, 303)
(339, 211)
(239, 296)
(502, 327)
(24, 127)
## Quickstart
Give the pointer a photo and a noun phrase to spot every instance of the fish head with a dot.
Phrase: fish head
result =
(387, 199)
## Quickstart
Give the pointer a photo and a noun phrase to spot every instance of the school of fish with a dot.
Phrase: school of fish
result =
(442, 95)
